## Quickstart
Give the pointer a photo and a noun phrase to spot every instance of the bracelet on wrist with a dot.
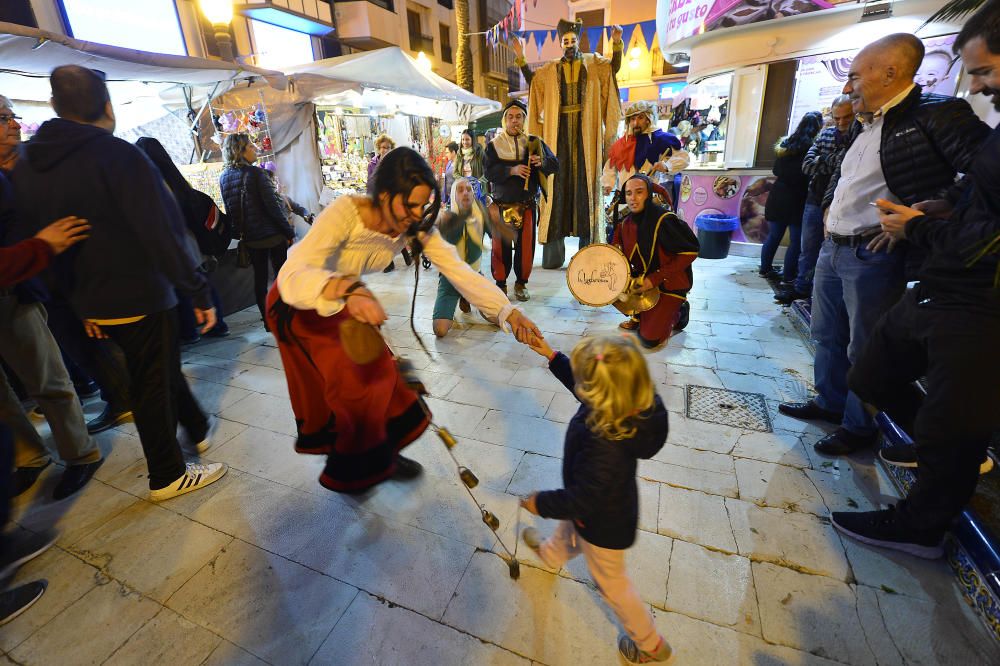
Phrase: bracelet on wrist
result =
(354, 286)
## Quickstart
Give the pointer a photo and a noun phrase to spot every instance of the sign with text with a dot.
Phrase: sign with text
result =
(680, 19)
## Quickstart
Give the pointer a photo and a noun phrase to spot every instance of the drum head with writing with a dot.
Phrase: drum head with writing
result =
(598, 274)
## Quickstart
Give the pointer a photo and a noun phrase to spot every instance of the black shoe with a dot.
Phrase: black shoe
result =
(407, 469)
(843, 442)
(810, 411)
(74, 478)
(22, 478)
(770, 275)
(684, 316)
(109, 418)
(218, 331)
(24, 548)
(19, 599)
(883, 528)
(904, 455)
(786, 295)
(390, 268)
(84, 391)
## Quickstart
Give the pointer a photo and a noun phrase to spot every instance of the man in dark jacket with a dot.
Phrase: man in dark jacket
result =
(121, 280)
(946, 329)
(515, 166)
(819, 164)
(906, 147)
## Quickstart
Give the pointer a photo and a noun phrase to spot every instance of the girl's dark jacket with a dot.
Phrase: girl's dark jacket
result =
(599, 491)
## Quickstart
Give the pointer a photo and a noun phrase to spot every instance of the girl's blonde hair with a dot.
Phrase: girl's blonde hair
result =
(612, 379)
(384, 138)
(233, 147)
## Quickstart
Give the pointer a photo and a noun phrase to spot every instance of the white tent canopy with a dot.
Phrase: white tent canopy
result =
(363, 79)
(140, 83)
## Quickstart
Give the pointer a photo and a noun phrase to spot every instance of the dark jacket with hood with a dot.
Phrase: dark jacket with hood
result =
(787, 198)
(136, 253)
(962, 269)
(599, 491)
(260, 213)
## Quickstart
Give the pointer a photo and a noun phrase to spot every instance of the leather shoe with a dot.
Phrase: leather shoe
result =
(810, 411)
(74, 478)
(842, 442)
(407, 469)
(464, 306)
(24, 477)
(683, 316)
(108, 419)
(521, 292)
(786, 296)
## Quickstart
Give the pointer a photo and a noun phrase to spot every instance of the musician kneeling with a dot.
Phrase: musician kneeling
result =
(516, 165)
(660, 248)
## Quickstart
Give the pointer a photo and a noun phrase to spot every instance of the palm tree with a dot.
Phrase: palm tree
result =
(955, 9)
(463, 59)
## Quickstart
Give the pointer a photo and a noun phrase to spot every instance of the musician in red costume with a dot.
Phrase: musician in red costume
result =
(660, 249)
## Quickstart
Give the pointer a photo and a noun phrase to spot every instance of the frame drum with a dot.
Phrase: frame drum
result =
(598, 275)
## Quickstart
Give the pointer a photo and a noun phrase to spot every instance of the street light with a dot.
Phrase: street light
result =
(423, 62)
(220, 13)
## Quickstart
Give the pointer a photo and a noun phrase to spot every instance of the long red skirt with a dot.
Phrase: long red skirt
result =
(358, 416)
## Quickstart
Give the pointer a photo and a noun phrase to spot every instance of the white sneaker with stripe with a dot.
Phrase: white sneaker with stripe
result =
(195, 477)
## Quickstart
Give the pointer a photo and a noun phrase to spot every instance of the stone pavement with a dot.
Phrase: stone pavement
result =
(736, 554)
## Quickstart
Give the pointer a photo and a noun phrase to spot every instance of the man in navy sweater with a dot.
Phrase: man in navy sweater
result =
(121, 280)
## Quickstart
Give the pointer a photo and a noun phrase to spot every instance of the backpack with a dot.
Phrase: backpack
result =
(215, 232)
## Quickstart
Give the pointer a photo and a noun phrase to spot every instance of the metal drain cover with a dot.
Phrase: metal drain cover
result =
(747, 411)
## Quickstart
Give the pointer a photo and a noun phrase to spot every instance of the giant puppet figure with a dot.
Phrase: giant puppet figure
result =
(573, 105)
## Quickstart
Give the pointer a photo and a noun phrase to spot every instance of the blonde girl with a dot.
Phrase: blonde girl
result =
(621, 419)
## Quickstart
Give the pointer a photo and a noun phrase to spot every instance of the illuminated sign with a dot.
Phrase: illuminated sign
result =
(680, 19)
(669, 90)
(151, 25)
(276, 47)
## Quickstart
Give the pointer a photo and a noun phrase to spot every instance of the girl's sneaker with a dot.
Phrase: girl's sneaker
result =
(633, 655)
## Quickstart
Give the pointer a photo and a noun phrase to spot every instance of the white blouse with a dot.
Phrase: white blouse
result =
(339, 244)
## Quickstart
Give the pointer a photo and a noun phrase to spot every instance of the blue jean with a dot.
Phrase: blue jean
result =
(812, 239)
(852, 288)
(770, 248)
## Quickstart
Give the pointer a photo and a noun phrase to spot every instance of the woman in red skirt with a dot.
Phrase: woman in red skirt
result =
(361, 415)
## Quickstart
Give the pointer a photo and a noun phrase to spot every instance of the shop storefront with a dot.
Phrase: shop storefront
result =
(755, 69)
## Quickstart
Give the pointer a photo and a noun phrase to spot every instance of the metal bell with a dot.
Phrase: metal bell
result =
(491, 521)
(446, 437)
(468, 478)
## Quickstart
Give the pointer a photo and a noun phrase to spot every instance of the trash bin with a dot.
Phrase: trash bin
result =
(714, 234)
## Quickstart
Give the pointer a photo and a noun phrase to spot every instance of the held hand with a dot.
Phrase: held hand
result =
(93, 330)
(647, 284)
(363, 306)
(517, 46)
(530, 503)
(206, 317)
(540, 346)
(535, 160)
(884, 241)
(522, 170)
(64, 233)
(894, 218)
(660, 167)
(616, 33)
(524, 329)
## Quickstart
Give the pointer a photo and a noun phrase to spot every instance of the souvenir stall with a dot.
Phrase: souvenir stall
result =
(321, 126)
(755, 69)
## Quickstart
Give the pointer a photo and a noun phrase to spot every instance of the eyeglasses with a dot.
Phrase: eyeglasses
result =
(7, 117)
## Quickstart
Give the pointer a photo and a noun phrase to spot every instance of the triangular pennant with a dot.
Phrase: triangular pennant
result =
(593, 39)
(648, 29)
(553, 35)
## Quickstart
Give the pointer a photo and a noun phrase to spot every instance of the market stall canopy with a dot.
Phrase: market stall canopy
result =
(141, 83)
(387, 79)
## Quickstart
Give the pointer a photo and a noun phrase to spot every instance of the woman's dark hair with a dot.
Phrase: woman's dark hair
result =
(802, 138)
(158, 155)
(984, 23)
(401, 170)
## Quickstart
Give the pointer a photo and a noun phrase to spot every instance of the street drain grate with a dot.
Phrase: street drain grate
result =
(747, 411)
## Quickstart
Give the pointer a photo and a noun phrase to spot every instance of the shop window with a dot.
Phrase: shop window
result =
(276, 47)
(774, 120)
(445, 43)
(701, 120)
(418, 40)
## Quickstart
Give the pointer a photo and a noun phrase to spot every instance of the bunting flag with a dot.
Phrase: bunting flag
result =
(648, 29)
(594, 38)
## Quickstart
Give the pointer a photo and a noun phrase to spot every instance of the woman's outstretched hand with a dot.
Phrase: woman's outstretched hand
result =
(524, 329)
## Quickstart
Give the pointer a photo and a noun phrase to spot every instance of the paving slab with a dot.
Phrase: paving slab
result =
(695, 517)
(712, 586)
